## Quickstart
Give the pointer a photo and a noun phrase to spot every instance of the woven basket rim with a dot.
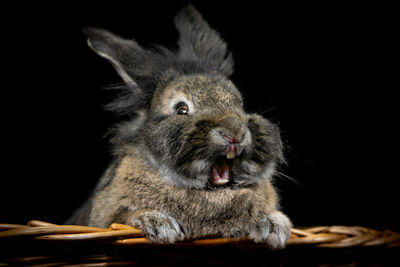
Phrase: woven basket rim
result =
(75, 245)
(119, 234)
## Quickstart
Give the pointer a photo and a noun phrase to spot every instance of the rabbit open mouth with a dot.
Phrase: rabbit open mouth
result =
(220, 172)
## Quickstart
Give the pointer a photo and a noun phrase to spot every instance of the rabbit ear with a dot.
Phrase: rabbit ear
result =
(127, 57)
(131, 62)
(198, 41)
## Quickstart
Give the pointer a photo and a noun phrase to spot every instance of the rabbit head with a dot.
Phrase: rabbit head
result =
(186, 115)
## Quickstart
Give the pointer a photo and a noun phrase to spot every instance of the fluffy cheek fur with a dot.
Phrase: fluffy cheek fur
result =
(163, 136)
(259, 159)
(181, 137)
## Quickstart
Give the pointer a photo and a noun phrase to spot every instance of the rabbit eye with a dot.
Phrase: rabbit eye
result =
(182, 108)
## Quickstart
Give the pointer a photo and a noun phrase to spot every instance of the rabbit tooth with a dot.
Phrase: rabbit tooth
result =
(230, 154)
(220, 182)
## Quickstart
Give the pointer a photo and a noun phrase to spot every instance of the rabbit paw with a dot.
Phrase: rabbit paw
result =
(159, 227)
(274, 230)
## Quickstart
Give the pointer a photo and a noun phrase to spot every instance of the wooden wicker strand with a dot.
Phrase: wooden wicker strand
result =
(119, 234)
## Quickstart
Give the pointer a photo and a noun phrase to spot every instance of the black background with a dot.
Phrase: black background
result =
(327, 74)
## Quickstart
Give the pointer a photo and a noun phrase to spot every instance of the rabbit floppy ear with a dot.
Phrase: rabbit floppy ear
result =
(199, 42)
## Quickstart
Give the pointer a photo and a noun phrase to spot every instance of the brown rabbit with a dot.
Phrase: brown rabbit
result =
(190, 162)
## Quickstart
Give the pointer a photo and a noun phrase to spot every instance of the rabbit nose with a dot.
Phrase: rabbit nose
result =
(233, 140)
(233, 128)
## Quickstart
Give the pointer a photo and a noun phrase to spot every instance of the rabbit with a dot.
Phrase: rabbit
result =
(189, 162)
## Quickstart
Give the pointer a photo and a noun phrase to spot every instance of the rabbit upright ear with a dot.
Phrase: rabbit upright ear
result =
(198, 41)
(125, 55)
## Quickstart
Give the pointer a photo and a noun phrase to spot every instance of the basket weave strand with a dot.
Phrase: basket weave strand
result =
(123, 240)
(119, 234)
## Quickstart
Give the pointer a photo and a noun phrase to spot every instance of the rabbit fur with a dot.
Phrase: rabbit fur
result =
(189, 162)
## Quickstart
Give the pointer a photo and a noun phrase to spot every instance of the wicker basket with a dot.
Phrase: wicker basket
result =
(44, 244)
